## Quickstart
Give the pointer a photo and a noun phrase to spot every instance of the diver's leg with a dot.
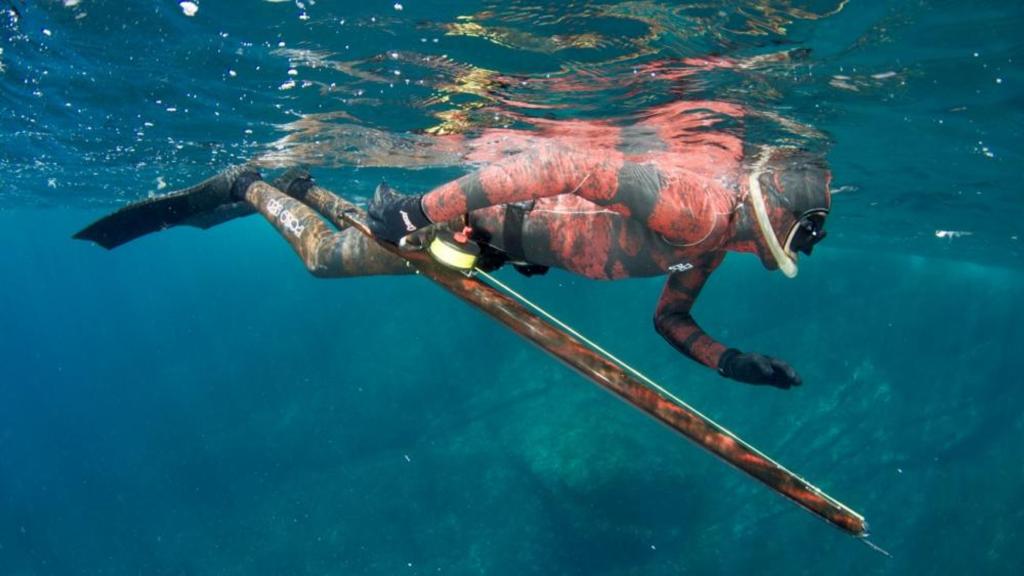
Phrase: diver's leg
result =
(298, 184)
(325, 252)
(335, 209)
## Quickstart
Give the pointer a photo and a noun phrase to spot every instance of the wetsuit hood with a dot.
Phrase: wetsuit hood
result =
(788, 191)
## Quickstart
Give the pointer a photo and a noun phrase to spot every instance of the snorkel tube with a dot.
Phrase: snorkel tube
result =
(785, 260)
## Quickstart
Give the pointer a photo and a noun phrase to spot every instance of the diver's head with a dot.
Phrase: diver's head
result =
(788, 192)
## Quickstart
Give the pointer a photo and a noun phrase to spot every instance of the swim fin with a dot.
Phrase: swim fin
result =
(203, 206)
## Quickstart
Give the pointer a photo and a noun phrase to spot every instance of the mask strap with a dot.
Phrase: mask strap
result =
(786, 263)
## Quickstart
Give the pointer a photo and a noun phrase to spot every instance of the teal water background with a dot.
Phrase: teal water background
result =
(196, 403)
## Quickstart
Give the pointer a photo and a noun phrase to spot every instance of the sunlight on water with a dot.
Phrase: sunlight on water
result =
(431, 86)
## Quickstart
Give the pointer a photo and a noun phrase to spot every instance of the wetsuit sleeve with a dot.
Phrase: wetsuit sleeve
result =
(676, 203)
(672, 318)
(548, 170)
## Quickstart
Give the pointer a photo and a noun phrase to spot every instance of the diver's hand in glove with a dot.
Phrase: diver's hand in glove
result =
(393, 216)
(757, 369)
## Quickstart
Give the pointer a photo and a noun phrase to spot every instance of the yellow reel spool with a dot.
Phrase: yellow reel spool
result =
(452, 253)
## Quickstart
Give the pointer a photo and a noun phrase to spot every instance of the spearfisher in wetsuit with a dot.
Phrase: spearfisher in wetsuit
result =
(601, 213)
(608, 216)
(787, 195)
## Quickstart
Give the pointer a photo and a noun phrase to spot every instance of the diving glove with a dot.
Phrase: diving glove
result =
(392, 216)
(755, 368)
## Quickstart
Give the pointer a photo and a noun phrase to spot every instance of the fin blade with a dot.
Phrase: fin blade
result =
(204, 205)
(135, 220)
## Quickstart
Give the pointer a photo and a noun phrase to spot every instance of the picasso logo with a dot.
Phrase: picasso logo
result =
(289, 221)
(407, 221)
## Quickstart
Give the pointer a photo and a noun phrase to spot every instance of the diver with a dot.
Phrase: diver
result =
(605, 213)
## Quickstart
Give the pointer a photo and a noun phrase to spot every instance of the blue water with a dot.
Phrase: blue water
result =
(196, 403)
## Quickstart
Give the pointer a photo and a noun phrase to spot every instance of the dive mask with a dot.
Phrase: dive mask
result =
(808, 231)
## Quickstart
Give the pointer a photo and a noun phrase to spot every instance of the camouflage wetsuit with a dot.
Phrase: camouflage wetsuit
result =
(635, 202)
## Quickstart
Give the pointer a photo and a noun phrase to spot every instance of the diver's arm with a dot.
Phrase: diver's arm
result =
(675, 324)
(678, 204)
(547, 170)
(672, 317)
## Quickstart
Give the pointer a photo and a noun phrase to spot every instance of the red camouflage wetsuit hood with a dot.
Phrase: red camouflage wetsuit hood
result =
(792, 182)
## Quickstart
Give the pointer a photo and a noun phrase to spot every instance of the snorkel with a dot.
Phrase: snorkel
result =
(785, 260)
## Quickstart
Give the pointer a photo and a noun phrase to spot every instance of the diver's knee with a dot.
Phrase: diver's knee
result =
(320, 270)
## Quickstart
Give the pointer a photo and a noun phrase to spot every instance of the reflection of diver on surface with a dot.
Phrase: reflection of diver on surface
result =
(603, 216)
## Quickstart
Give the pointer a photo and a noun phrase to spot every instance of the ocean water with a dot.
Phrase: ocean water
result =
(195, 403)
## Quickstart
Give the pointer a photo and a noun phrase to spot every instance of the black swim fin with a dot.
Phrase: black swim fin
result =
(204, 205)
